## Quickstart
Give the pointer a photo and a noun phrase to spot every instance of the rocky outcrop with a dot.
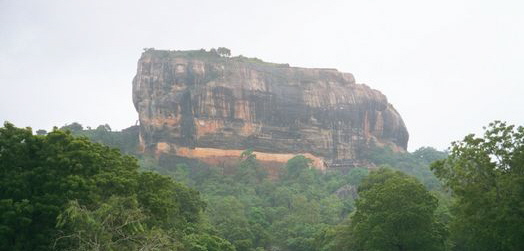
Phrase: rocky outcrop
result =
(197, 104)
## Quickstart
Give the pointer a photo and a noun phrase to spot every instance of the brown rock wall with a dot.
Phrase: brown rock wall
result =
(192, 101)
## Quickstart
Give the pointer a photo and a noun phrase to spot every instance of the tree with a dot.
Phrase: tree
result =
(429, 154)
(394, 212)
(118, 224)
(223, 51)
(74, 127)
(41, 173)
(486, 176)
(249, 169)
(296, 165)
(228, 215)
(41, 132)
(44, 176)
(206, 242)
(355, 175)
(415, 164)
(126, 140)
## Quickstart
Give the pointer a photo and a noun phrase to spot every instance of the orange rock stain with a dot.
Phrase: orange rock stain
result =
(215, 156)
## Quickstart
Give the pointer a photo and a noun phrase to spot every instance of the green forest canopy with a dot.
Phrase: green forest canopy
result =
(61, 191)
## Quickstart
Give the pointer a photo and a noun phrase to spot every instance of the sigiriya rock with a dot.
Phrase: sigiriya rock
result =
(200, 105)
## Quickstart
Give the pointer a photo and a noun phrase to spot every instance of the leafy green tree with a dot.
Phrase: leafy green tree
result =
(40, 174)
(43, 177)
(206, 242)
(125, 140)
(249, 169)
(356, 175)
(486, 176)
(394, 212)
(259, 225)
(118, 224)
(429, 154)
(169, 204)
(181, 173)
(416, 164)
(297, 228)
(331, 209)
(74, 127)
(295, 166)
(223, 51)
(228, 215)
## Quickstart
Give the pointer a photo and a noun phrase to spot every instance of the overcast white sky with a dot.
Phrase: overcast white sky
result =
(448, 66)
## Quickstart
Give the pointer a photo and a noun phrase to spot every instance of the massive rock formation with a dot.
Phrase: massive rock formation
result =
(197, 104)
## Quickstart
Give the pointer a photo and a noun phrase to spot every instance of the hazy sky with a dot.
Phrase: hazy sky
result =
(448, 66)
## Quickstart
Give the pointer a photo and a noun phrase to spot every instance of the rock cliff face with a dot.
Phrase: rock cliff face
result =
(197, 104)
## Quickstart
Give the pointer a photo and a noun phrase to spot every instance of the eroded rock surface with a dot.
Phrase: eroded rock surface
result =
(199, 105)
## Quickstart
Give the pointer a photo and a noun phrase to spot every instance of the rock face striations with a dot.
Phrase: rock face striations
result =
(197, 104)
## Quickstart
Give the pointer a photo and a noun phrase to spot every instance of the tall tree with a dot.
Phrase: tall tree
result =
(118, 224)
(394, 212)
(223, 51)
(41, 174)
(486, 175)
